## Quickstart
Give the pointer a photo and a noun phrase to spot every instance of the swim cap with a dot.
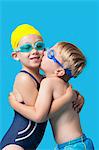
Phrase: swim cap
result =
(21, 31)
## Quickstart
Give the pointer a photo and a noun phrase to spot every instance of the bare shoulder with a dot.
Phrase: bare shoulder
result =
(51, 80)
(48, 82)
(23, 79)
(26, 87)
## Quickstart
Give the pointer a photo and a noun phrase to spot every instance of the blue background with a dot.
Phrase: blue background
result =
(73, 21)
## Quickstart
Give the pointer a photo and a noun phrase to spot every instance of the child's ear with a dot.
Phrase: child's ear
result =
(14, 56)
(59, 72)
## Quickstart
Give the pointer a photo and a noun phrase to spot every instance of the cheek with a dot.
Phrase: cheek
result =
(48, 63)
(23, 57)
(44, 62)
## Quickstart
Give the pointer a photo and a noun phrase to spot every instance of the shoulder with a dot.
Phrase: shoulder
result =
(48, 82)
(22, 76)
(23, 79)
(51, 79)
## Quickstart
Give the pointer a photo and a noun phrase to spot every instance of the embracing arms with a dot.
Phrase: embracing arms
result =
(44, 107)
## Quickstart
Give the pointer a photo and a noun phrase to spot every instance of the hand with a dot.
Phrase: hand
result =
(12, 98)
(17, 95)
(69, 92)
(78, 102)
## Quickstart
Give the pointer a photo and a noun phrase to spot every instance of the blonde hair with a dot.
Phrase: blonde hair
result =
(72, 57)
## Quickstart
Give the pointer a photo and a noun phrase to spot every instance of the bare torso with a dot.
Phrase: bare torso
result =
(65, 123)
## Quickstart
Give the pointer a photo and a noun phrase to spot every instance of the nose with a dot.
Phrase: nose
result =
(34, 52)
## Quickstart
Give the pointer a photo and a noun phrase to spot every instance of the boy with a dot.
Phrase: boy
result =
(60, 63)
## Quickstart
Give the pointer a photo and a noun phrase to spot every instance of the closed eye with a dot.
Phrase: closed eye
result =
(27, 46)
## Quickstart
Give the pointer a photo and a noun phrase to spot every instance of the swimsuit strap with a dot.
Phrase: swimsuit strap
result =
(38, 84)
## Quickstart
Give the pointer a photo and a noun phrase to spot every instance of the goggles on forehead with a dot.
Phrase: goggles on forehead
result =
(28, 47)
(50, 55)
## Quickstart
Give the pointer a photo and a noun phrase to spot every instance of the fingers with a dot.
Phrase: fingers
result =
(79, 97)
(78, 102)
(81, 100)
(77, 93)
(11, 96)
(77, 107)
(80, 107)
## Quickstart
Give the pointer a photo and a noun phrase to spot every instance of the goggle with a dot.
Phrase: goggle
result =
(28, 47)
(51, 55)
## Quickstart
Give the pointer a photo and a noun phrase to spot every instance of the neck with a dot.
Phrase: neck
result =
(48, 74)
(65, 77)
(34, 72)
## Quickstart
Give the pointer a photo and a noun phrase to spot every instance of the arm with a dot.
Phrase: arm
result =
(78, 102)
(58, 103)
(26, 88)
(27, 111)
(39, 112)
(70, 95)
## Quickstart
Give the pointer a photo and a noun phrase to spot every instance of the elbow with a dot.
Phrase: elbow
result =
(39, 119)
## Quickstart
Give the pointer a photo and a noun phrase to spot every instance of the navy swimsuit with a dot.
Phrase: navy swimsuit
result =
(24, 132)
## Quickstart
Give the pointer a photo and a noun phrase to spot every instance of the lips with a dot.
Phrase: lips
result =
(34, 57)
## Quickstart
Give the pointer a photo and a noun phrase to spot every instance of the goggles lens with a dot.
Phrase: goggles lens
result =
(50, 54)
(39, 45)
(28, 47)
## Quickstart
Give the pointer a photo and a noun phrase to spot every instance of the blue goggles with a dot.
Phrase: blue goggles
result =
(28, 47)
(50, 55)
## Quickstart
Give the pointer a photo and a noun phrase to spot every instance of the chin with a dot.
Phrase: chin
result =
(36, 66)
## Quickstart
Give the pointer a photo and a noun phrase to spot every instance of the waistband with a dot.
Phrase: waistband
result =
(79, 139)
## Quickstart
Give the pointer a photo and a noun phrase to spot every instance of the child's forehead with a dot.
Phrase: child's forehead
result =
(30, 39)
(56, 49)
